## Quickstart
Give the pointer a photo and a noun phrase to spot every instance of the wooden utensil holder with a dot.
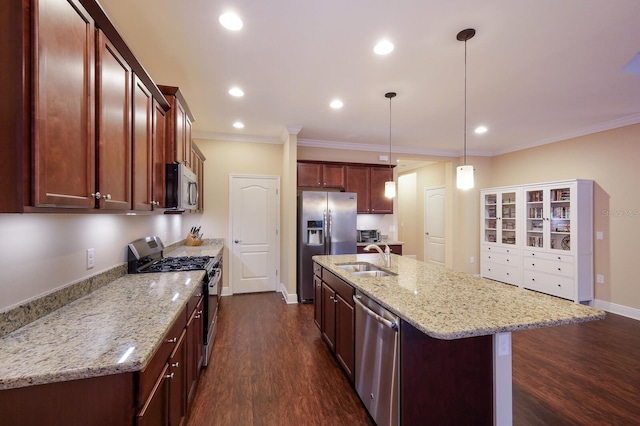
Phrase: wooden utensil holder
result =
(192, 240)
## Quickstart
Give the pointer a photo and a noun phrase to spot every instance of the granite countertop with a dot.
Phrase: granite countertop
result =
(88, 337)
(209, 247)
(451, 305)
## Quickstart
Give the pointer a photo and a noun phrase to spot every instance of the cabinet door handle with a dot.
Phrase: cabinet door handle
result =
(174, 340)
(175, 365)
(169, 376)
(96, 195)
(106, 197)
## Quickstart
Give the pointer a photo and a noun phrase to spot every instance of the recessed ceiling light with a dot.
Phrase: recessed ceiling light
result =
(230, 21)
(336, 104)
(383, 47)
(238, 125)
(236, 91)
(481, 129)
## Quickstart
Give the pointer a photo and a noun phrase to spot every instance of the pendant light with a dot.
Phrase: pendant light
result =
(390, 186)
(464, 174)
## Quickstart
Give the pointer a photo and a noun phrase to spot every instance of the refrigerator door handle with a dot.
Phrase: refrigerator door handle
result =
(324, 232)
(330, 236)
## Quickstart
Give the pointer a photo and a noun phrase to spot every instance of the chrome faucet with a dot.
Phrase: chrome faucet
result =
(386, 254)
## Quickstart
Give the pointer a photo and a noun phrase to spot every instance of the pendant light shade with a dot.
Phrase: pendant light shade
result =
(464, 177)
(464, 174)
(390, 186)
(390, 189)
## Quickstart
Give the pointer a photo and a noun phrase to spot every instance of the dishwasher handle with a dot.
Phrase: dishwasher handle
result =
(381, 320)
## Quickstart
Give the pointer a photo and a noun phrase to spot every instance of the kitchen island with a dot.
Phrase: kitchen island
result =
(449, 320)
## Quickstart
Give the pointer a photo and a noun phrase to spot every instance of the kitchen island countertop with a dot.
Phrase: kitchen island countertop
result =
(451, 305)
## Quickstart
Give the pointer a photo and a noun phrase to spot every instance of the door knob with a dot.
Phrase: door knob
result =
(237, 241)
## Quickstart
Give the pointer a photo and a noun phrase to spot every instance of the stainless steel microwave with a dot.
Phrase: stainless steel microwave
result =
(181, 188)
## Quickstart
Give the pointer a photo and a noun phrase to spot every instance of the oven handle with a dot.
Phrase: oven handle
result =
(217, 275)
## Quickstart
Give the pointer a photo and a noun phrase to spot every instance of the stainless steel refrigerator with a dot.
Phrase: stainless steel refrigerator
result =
(326, 225)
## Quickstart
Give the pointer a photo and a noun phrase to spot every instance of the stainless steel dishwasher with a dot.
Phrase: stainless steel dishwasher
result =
(377, 360)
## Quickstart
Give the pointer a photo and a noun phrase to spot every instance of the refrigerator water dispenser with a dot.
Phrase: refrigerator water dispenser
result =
(314, 232)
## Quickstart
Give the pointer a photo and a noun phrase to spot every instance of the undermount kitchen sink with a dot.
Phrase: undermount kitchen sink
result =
(365, 270)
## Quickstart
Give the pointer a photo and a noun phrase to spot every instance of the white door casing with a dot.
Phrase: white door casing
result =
(434, 229)
(254, 221)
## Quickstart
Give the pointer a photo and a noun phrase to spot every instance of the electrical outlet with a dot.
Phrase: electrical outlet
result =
(90, 258)
(599, 235)
(600, 278)
(472, 259)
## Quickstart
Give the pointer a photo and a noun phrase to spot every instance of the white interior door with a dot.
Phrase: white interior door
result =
(254, 216)
(434, 226)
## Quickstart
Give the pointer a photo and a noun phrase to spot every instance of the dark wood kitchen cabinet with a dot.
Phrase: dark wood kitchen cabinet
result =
(65, 132)
(198, 160)
(395, 248)
(64, 111)
(321, 175)
(158, 155)
(195, 348)
(359, 181)
(142, 147)
(337, 323)
(379, 203)
(113, 129)
(368, 182)
(178, 127)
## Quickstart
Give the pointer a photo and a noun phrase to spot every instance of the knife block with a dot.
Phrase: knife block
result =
(192, 241)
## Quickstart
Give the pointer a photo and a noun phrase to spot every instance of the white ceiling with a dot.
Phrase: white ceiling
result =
(538, 71)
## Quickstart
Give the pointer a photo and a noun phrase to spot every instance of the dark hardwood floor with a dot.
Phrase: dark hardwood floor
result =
(580, 374)
(270, 367)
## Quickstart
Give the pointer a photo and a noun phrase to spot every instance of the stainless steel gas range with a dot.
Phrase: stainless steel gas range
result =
(146, 255)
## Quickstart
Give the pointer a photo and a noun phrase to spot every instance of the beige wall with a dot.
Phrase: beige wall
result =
(40, 253)
(610, 159)
(223, 159)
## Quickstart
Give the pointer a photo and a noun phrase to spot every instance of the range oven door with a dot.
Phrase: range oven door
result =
(211, 308)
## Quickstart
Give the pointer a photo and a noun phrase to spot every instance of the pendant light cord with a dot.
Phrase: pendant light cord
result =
(465, 102)
(390, 132)
(390, 95)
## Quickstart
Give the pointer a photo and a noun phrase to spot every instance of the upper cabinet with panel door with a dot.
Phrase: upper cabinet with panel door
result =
(178, 127)
(65, 128)
(366, 180)
(321, 175)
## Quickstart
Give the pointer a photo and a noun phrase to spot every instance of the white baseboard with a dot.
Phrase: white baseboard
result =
(614, 308)
(290, 299)
(226, 291)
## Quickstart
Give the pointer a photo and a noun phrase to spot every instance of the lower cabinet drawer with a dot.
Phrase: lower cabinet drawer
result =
(555, 285)
(504, 259)
(503, 273)
(555, 267)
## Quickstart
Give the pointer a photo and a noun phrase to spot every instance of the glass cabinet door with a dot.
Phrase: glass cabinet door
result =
(549, 218)
(500, 216)
(490, 218)
(535, 218)
(560, 218)
(508, 218)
